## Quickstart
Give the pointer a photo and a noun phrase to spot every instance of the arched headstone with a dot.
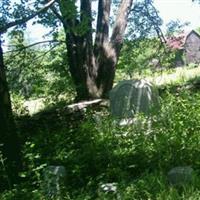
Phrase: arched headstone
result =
(181, 175)
(133, 96)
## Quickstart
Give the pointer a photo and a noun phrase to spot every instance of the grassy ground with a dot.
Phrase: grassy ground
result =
(177, 76)
(165, 76)
(161, 78)
(95, 150)
(182, 76)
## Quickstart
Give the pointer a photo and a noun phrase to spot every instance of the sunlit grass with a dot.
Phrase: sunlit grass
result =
(174, 76)
(179, 75)
(162, 77)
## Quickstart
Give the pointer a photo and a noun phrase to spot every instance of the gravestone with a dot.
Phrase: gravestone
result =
(108, 187)
(108, 191)
(180, 175)
(132, 96)
(53, 184)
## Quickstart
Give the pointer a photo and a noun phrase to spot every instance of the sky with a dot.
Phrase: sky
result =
(184, 10)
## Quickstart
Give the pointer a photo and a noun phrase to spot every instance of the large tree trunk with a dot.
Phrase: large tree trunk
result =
(93, 66)
(8, 137)
(10, 159)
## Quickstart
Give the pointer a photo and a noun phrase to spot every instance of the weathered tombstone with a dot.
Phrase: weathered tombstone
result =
(132, 96)
(54, 178)
(180, 175)
(108, 190)
(108, 187)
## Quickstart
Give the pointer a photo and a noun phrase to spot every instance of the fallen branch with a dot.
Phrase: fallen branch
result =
(81, 105)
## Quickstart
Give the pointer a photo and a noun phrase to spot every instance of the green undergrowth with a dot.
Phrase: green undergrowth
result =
(95, 150)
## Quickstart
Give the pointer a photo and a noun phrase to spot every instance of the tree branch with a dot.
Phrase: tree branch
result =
(86, 38)
(85, 104)
(120, 25)
(24, 20)
(155, 25)
(68, 15)
(102, 28)
(53, 9)
(86, 18)
(43, 54)
(34, 44)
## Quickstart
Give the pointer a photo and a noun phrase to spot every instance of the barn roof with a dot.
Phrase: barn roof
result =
(177, 42)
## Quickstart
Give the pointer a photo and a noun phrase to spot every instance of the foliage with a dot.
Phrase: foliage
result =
(23, 73)
(136, 157)
(196, 1)
(37, 71)
(91, 145)
(15, 10)
(146, 54)
(175, 27)
(77, 23)
(144, 21)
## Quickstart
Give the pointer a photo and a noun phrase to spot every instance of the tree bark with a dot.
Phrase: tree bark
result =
(92, 65)
(110, 51)
(9, 141)
(8, 137)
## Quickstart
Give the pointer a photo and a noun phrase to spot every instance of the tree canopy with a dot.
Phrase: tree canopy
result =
(93, 39)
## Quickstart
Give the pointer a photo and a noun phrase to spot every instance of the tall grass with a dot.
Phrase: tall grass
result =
(135, 157)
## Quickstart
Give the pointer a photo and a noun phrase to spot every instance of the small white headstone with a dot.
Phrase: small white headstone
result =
(132, 96)
(108, 191)
(54, 177)
(108, 187)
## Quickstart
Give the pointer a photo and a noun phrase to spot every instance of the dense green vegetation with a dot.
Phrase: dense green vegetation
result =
(38, 71)
(92, 147)
(38, 130)
(94, 150)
